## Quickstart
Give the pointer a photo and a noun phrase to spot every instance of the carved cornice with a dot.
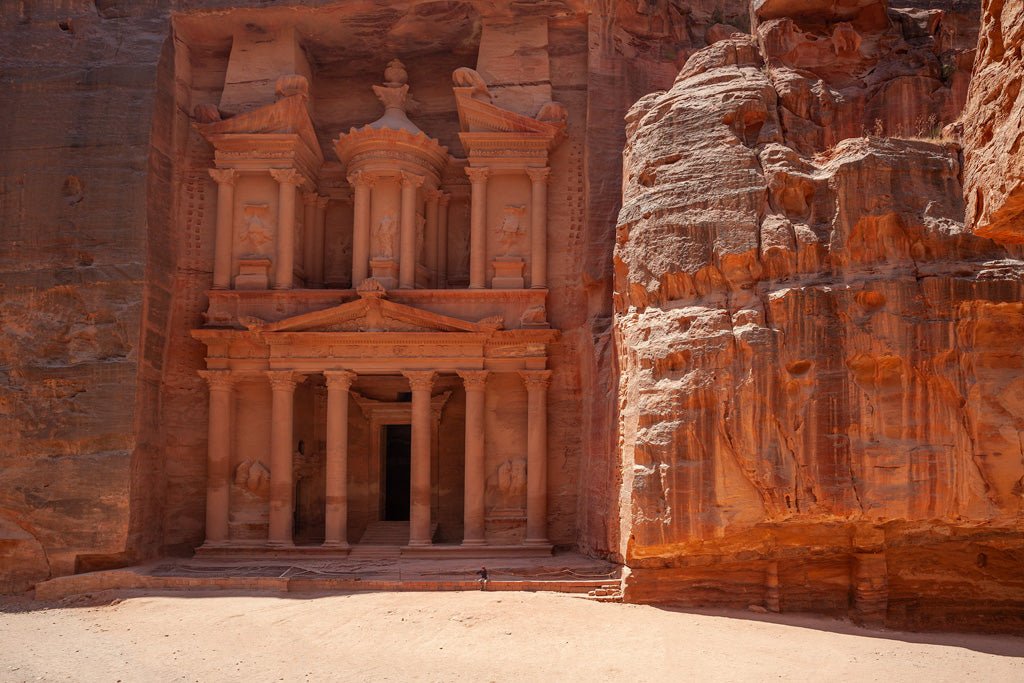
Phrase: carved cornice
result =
(224, 176)
(339, 379)
(536, 379)
(219, 380)
(473, 380)
(477, 174)
(284, 380)
(420, 380)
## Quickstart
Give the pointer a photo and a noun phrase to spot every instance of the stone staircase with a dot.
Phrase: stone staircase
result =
(383, 541)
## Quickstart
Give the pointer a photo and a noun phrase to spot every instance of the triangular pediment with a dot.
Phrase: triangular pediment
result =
(480, 116)
(372, 314)
(288, 115)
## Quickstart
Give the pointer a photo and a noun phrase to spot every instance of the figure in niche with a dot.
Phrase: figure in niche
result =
(421, 230)
(256, 227)
(512, 481)
(511, 227)
(383, 236)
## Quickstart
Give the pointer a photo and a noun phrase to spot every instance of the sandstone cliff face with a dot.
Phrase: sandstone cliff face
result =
(820, 384)
(993, 126)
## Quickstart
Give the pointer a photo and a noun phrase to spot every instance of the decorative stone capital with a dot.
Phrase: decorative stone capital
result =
(361, 179)
(322, 202)
(339, 380)
(420, 380)
(284, 380)
(432, 196)
(473, 380)
(536, 379)
(411, 179)
(219, 380)
(477, 174)
(444, 198)
(309, 198)
(538, 174)
(287, 176)
(224, 176)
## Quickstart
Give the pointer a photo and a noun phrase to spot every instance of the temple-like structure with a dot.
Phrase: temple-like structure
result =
(409, 400)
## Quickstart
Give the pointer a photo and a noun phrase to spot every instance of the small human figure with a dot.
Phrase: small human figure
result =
(483, 578)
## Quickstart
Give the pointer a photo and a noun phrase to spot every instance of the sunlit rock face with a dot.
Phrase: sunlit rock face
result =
(819, 384)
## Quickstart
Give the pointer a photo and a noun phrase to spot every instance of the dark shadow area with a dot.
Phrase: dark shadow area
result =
(397, 460)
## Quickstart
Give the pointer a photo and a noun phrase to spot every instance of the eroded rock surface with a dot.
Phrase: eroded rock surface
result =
(819, 385)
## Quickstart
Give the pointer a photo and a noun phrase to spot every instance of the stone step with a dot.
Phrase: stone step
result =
(389, 533)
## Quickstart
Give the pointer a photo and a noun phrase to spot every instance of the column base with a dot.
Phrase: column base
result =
(477, 287)
(419, 544)
(536, 541)
(214, 545)
(474, 542)
(281, 287)
(337, 545)
(280, 544)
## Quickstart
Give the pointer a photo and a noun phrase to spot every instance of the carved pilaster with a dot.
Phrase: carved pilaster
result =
(224, 235)
(536, 382)
(478, 227)
(538, 226)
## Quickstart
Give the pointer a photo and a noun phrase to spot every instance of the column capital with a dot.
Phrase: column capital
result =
(473, 380)
(443, 198)
(322, 201)
(538, 174)
(219, 380)
(433, 195)
(536, 379)
(309, 198)
(287, 176)
(361, 179)
(412, 179)
(339, 379)
(223, 176)
(477, 174)
(283, 379)
(420, 379)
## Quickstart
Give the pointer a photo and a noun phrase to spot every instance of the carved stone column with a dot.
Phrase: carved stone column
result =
(538, 226)
(361, 184)
(282, 411)
(319, 231)
(475, 382)
(478, 228)
(336, 469)
(309, 244)
(536, 382)
(430, 243)
(442, 241)
(224, 237)
(407, 262)
(288, 179)
(218, 467)
(421, 382)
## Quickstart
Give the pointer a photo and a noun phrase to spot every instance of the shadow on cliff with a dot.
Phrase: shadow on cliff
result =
(993, 644)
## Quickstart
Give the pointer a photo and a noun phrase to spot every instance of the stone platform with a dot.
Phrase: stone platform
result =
(564, 572)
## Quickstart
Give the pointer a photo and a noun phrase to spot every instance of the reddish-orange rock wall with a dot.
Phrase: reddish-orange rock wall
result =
(820, 381)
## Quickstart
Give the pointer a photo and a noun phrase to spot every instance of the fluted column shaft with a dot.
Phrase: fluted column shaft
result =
(360, 227)
(475, 382)
(224, 237)
(282, 384)
(442, 241)
(218, 468)
(308, 235)
(421, 382)
(538, 226)
(407, 260)
(430, 243)
(478, 228)
(336, 470)
(288, 179)
(537, 455)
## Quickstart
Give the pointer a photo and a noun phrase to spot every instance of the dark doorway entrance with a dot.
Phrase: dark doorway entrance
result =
(397, 457)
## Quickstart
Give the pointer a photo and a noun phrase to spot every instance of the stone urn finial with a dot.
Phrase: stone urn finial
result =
(395, 75)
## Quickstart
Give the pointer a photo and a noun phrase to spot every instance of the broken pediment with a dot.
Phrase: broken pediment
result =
(376, 314)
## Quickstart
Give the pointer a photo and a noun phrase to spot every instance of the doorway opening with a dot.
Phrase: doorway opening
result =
(397, 460)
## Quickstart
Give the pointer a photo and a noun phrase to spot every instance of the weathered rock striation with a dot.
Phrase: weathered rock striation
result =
(819, 384)
(993, 127)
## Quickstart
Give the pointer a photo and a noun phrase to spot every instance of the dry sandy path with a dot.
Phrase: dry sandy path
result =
(466, 637)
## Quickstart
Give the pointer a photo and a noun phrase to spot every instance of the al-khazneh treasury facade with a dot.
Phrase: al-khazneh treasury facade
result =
(413, 388)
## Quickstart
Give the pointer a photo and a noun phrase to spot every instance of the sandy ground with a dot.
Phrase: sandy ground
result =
(464, 637)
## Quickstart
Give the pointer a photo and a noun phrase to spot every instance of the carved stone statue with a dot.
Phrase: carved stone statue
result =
(255, 234)
(464, 77)
(384, 236)
(511, 226)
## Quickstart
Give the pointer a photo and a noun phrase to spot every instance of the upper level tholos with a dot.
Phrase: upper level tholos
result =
(284, 215)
